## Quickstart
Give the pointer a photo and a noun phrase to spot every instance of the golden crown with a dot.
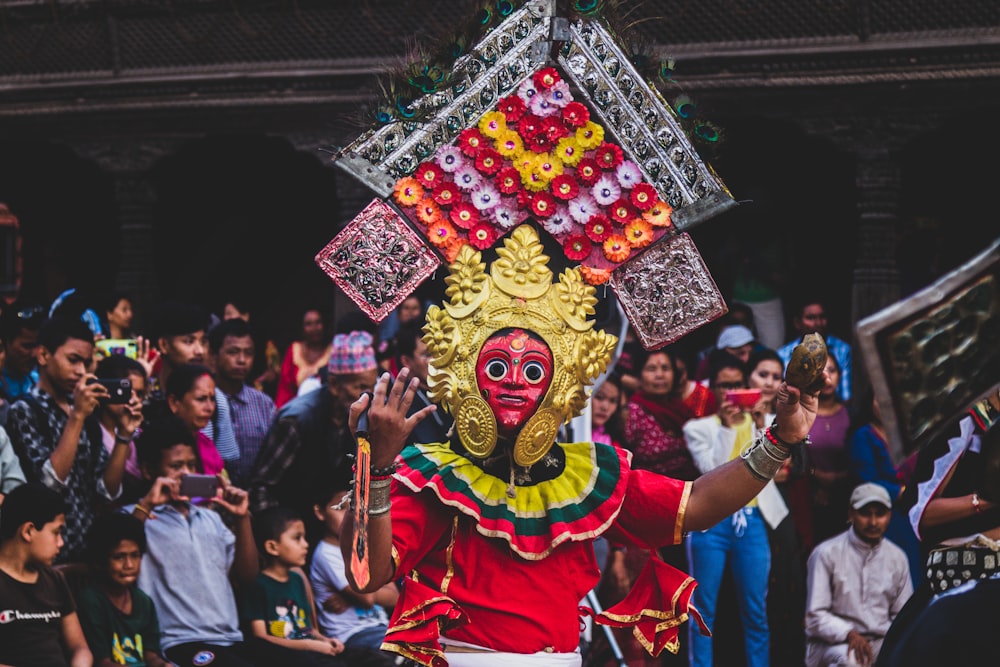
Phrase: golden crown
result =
(518, 292)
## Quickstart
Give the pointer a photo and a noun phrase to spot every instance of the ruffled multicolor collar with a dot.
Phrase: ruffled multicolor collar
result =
(579, 504)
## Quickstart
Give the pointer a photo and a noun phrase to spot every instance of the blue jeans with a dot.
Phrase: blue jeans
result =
(745, 550)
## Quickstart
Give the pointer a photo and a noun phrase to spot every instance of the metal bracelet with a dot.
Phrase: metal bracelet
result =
(387, 471)
(764, 459)
(379, 501)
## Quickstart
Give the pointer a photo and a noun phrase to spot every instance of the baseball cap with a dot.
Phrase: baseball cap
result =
(869, 493)
(735, 335)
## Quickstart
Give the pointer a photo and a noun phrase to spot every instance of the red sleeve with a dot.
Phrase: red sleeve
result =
(419, 522)
(653, 512)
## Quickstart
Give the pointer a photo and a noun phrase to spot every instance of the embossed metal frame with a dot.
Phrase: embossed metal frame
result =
(495, 66)
(667, 291)
(644, 125)
(377, 259)
(931, 330)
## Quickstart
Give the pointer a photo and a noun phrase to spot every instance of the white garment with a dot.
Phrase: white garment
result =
(327, 576)
(488, 658)
(711, 444)
(851, 585)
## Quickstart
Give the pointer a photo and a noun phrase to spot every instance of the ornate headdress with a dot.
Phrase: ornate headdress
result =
(518, 292)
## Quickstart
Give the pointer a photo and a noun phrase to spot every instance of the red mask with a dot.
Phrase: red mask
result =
(514, 371)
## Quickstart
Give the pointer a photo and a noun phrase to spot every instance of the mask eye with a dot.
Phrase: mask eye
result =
(534, 372)
(496, 370)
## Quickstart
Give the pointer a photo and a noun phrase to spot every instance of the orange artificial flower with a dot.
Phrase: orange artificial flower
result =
(617, 248)
(593, 276)
(658, 215)
(408, 191)
(441, 233)
(639, 233)
(428, 212)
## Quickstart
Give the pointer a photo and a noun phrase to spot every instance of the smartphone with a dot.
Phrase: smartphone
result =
(127, 346)
(199, 486)
(745, 398)
(120, 390)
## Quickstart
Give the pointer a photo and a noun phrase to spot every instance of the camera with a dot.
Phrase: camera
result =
(119, 390)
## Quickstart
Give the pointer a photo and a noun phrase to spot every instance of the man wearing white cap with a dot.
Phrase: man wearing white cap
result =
(856, 584)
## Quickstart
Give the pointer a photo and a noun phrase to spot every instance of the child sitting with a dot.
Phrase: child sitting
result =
(118, 619)
(359, 619)
(38, 617)
(277, 606)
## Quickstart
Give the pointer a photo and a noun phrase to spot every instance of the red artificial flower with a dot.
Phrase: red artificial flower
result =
(608, 155)
(451, 249)
(508, 180)
(524, 197)
(575, 114)
(464, 215)
(428, 212)
(513, 107)
(429, 174)
(446, 193)
(553, 128)
(470, 140)
(577, 247)
(529, 126)
(617, 248)
(539, 143)
(543, 204)
(598, 228)
(489, 161)
(482, 236)
(565, 187)
(545, 78)
(644, 197)
(588, 171)
(621, 211)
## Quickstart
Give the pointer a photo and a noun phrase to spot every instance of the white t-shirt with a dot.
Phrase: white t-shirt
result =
(326, 574)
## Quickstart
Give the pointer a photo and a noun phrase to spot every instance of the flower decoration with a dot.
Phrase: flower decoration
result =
(446, 193)
(621, 211)
(577, 247)
(639, 233)
(616, 248)
(643, 196)
(493, 124)
(470, 140)
(594, 276)
(565, 187)
(464, 215)
(429, 175)
(543, 204)
(559, 224)
(450, 159)
(485, 196)
(512, 107)
(609, 156)
(658, 215)
(489, 161)
(575, 114)
(428, 212)
(482, 236)
(598, 228)
(537, 153)
(440, 233)
(408, 191)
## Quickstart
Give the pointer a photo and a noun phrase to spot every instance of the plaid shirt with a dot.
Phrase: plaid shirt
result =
(35, 437)
(251, 411)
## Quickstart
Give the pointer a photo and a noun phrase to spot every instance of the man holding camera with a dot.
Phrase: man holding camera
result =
(48, 431)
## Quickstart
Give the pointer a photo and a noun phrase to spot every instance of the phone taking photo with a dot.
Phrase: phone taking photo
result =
(199, 486)
(119, 390)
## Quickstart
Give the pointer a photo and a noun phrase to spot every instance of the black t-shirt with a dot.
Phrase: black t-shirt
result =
(31, 619)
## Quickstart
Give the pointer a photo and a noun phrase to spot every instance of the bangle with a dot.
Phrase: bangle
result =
(765, 458)
(772, 435)
(142, 509)
(976, 504)
(386, 471)
(122, 440)
(379, 501)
